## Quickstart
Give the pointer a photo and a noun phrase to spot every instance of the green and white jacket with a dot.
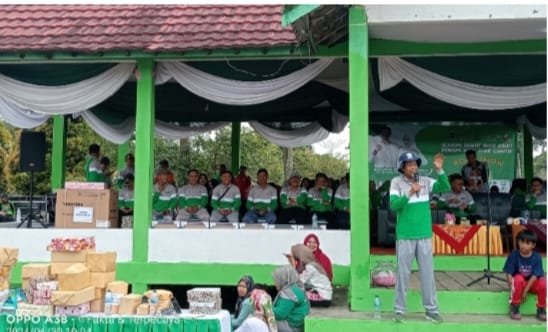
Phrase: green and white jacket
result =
(165, 199)
(414, 220)
(192, 196)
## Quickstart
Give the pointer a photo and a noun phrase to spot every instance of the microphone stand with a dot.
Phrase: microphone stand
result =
(487, 273)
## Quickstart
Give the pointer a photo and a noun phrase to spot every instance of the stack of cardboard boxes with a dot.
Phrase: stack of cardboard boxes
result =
(80, 276)
(75, 291)
(204, 301)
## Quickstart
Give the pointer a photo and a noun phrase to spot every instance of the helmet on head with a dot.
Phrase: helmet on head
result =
(408, 156)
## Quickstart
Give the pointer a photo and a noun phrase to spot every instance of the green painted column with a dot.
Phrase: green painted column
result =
(528, 169)
(358, 71)
(235, 145)
(123, 149)
(59, 143)
(144, 163)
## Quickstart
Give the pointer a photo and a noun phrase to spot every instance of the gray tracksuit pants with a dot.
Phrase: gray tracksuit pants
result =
(406, 252)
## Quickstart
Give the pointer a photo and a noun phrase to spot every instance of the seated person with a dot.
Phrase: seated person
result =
(313, 243)
(293, 199)
(129, 168)
(91, 166)
(193, 199)
(319, 200)
(290, 305)
(243, 307)
(164, 165)
(262, 318)
(225, 200)
(7, 209)
(474, 173)
(342, 204)
(316, 283)
(106, 173)
(262, 201)
(536, 200)
(458, 201)
(525, 274)
(164, 199)
(125, 198)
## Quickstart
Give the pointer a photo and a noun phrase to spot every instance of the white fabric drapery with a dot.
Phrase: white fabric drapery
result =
(232, 92)
(20, 117)
(65, 99)
(120, 133)
(393, 70)
(307, 135)
(537, 132)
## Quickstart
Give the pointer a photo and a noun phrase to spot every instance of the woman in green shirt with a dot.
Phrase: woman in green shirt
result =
(290, 305)
(243, 304)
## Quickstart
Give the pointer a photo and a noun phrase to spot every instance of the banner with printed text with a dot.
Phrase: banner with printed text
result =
(495, 145)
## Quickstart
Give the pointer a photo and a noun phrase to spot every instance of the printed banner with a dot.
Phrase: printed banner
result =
(494, 145)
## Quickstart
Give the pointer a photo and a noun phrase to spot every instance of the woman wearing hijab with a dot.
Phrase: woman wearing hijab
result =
(318, 287)
(262, 319)
(243, 304)
(313, 243)
(290, 305)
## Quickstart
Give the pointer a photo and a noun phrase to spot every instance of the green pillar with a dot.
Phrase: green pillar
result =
(527, 154)
(144, 164)
(123, 149)
(235, 144)
(358, 71)
(58, 152)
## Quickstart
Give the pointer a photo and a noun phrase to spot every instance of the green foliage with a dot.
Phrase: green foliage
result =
(202, 152)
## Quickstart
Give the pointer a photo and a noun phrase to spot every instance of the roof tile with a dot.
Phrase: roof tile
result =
(91, 28)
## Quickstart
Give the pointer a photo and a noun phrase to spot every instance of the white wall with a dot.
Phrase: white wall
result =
(32, 243)
(248, 246)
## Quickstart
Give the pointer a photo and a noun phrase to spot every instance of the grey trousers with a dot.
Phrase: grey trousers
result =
(406, 252)
(216, 216)
(201, 214)
(283, 326)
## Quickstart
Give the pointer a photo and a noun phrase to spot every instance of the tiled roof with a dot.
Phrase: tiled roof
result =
(151, 28)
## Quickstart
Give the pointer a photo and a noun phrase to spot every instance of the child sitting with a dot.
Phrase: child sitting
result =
(525, 274)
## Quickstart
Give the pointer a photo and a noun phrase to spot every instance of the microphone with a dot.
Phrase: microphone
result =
(416, 180)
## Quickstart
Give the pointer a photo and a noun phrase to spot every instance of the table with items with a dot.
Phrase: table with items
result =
(465, 240)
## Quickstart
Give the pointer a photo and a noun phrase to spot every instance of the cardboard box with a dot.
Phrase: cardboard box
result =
(163, 294)
(101, 279)
(70, 256)
(118, 287)
(73, 310)
(81, 208)
(56, 268)
(85, 185)
(65, 298)
(75, 278)
(101, 261)
(100, 293)
(25, 283)
(143, 309)
(35, 271)
(97, 305)
(25, 309)
(8, 256)
(129, 304)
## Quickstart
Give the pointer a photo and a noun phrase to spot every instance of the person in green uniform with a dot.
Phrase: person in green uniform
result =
(410, 199)
(7, 209)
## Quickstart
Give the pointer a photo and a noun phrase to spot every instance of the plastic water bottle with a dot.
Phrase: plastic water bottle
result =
(377, 305)
(526, 215)
(314, 221)
(109, 299)
(153, 303)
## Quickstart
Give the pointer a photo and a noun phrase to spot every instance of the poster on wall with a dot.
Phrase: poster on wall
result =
(495, 145)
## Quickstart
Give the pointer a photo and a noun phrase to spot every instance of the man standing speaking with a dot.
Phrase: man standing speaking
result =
(409, 198)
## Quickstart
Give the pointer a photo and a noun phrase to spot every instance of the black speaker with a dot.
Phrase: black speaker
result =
(32, 154)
